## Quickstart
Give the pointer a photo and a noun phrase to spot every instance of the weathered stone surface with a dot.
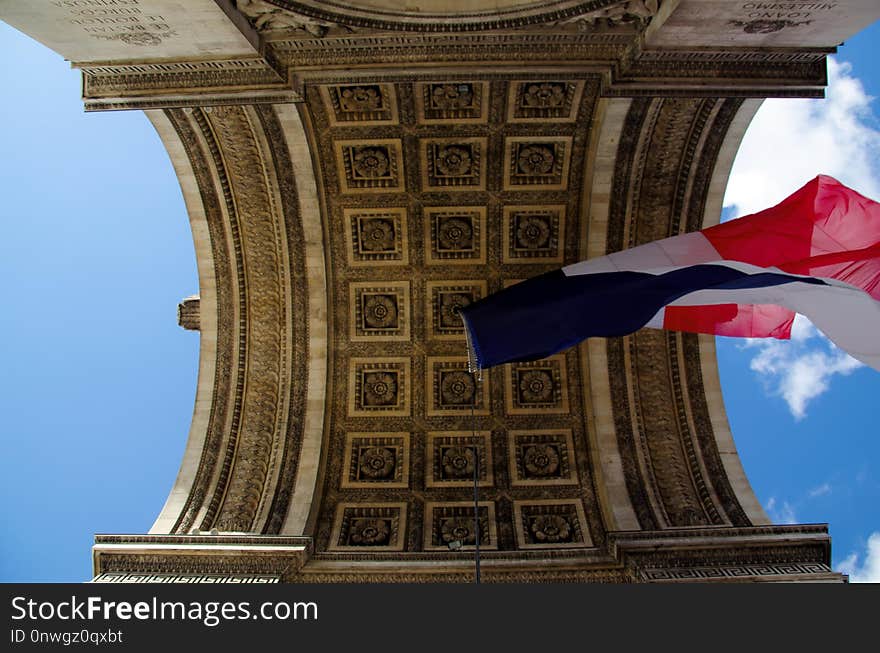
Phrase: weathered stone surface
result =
(424, 164)
(85, 31)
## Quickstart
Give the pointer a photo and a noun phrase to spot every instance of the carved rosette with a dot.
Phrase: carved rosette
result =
(551, 524)
(454, 456)
(458, 462)
(452, 103)
(452, 389)
(376, 460)
(451, 526)
(377, 235)
(454, 164)
(377, 527)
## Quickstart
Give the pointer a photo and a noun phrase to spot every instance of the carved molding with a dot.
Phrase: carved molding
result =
(178, 578)
(670, 462)
(263, 414)
(775, 553)
(605, 36)
(183, 77)
(327, 19)
(249, 455)
(189, 510)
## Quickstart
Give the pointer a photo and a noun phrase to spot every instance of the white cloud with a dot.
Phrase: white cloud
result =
(783, 514)
(820, 491)
(869, 570)
(788, 143)
(800, 369)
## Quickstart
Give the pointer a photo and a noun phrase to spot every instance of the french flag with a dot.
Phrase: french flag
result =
(815, 253)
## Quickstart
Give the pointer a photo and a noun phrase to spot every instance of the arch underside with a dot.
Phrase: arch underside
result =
(333, 420)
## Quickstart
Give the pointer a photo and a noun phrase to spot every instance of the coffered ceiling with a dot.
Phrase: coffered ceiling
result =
(438, 191)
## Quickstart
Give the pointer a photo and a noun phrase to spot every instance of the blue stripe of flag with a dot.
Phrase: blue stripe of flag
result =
(552, 312)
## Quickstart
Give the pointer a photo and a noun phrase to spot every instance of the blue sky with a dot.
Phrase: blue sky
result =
(801, 411)
(99, 380)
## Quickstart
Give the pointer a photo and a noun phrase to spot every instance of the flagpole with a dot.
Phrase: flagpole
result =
(476, 490)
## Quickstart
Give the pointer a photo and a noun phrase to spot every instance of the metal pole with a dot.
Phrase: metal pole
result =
(476, 486)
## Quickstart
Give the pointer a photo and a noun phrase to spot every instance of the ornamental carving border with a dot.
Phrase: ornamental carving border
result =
(762, 554)
(107, 80)
(584, 556)
(228, 430)
(247, 434)
(176, 102)
(735, 572)
(578, 34)
(189, 564)
(670, 179)
(660, 436)
(800, 552)
(298, 55)
(710, 456)
(262, 410)
(487, 575)
(327, 19)
(299, 314)
(617, 211)
(703, 432)
(230, 287)
(662, 433)
(692, 183)
(805, 67)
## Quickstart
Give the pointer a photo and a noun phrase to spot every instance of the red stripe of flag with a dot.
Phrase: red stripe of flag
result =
(824, 229)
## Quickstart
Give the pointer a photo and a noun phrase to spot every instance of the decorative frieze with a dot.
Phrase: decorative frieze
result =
(222, 579)
(738, 572)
